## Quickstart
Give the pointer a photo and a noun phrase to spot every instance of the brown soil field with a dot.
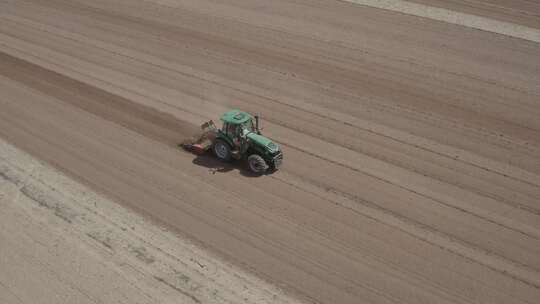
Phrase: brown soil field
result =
(412, 146)
(61, 242)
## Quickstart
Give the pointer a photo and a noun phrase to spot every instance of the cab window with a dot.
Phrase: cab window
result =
(248, 125)
(231, 129)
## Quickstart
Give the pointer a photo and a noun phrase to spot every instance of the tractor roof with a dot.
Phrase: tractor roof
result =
(236, 117)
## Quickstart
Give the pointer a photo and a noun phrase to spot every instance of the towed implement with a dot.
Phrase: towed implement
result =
(239, 138)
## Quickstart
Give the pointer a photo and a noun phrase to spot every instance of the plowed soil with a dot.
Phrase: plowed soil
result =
(412, 147)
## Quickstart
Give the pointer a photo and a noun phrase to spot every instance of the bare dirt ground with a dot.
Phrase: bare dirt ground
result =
(63, 243)
(412, 147)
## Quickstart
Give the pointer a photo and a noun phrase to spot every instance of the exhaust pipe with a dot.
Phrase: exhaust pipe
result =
(257, 124)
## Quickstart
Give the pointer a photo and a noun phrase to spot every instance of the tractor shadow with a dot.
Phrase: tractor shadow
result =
(214, 165)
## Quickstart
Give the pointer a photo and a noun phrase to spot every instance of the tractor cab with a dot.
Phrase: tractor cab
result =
(236, 126)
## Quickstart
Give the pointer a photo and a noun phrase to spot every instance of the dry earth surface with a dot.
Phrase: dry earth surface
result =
(63, 243)
(412, 146)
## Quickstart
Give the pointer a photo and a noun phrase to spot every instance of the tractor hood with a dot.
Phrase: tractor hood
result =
(263, 142)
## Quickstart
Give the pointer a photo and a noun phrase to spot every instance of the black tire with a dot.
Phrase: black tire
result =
(257, 164)
(222, 150)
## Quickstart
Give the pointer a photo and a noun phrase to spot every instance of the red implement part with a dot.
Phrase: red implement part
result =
(198, 149)
(201, 143)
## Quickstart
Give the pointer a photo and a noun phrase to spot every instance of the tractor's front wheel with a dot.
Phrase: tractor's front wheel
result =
(222, 150)
(257, 164)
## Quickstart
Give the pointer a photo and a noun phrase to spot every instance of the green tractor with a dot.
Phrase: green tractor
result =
(239, 138)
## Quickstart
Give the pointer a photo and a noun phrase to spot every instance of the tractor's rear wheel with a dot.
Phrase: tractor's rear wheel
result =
(222, 150)
(257, 164)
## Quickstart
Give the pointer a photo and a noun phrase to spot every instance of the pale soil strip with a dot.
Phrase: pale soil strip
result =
(61, 241)
(445, 15)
